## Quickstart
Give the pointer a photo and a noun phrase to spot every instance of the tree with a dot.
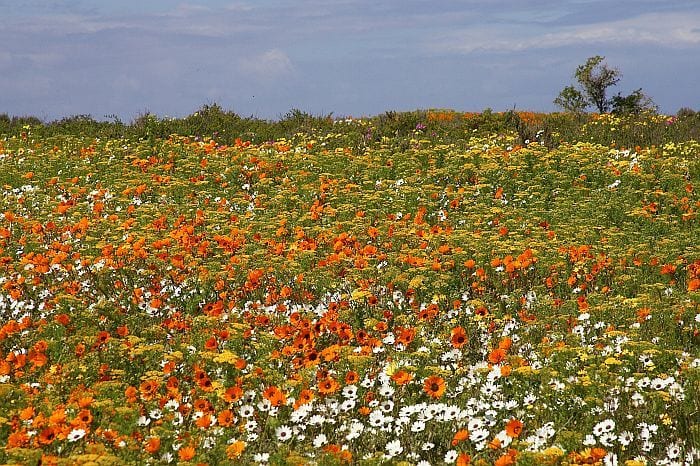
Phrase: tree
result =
(594, 78)
(634, 103)
(571, 100)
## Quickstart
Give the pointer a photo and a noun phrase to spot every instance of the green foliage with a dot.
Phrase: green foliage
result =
(636, 123)
(594, 78)
(635, 103)
(571, 100)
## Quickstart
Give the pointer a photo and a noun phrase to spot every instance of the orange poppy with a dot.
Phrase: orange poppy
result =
(460, 436)
(47, 436)
(434, 386)
(305, 396)
(235, 450)
(513, 428)
(497, 356)
(458, 337)
(351, 377)
(275, 396)
(152, 445)
(402, 377)
(233, 394)
(225, 418)
(328, 386)
(186, 453)
(463, 459)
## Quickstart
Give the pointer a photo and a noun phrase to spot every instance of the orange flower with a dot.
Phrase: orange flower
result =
(275, 396)
(27, 413)
(102, 338)
(17, 439)
(402, 377)
(225, 418)
(235, 450)
(148, 389)
(233, 394)
(85, 401)
(58, 417)
(351, 377)
(497, 356)
(463, 459)
(204, 421)
(434, 386)
(507, 459)
(328, 386)
(84, 418)
(505, 343)
(598, 453)
(694, 284)
(460, 436)
(305, 396)
(152, 445)
(47, 436)
(186, 453)
(79, 349)
(458, 337)
(130, 393)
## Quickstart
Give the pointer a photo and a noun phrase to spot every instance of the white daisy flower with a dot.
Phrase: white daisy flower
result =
(478, 435)
(76, 434)
(393, 448)
(261, 458)
(283, 433)
(475, 424)
(418, 426)
(450, 456)
(625, 438)
(320, 440)
(386, 390)
(347, 405)
(603, 427)
(350, 391)
(246, 411)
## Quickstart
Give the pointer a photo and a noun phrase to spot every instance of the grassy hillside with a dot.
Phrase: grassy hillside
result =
(428, 287)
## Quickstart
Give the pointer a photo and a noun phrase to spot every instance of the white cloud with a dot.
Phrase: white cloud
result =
(271, 64)
(662, 29)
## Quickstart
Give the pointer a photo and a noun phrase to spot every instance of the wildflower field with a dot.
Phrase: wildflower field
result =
(414, 300)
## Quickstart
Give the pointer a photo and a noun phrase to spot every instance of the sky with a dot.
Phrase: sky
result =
(262, 58)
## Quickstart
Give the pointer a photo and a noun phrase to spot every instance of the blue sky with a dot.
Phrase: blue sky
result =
(348, 57)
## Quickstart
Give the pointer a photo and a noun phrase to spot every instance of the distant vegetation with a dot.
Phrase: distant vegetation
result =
(594, 78)
(212, 122)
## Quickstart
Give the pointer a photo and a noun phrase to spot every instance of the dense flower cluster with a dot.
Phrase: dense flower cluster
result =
(174, 301)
